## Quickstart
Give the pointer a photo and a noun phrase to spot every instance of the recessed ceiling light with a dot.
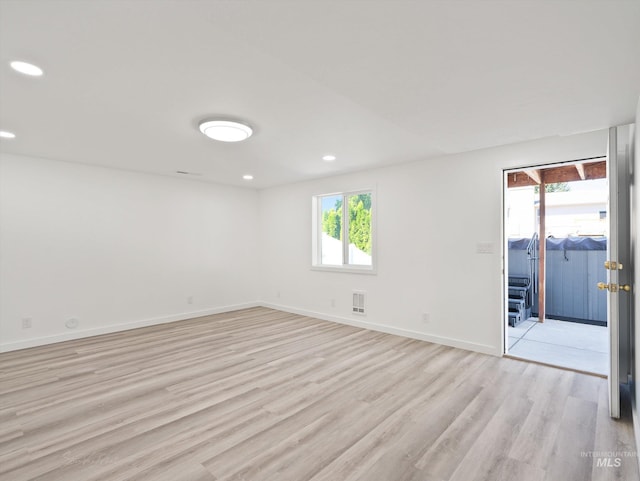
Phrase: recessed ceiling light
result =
(26, 68)
(247, 177)
(225, 130)
(7, 135)
(328, 158)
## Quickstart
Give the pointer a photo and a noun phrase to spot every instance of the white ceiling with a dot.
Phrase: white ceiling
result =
(374, 82)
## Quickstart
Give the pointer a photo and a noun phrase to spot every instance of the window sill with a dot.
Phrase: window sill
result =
(371, 271)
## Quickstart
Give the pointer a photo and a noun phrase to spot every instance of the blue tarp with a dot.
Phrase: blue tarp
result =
(577, 244)
(565, 244)
(519, 244)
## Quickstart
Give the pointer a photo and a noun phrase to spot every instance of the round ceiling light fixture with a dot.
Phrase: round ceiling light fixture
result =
(26, 68)
(226, 130)
(7, 135)
(247, 177)
(329, 158)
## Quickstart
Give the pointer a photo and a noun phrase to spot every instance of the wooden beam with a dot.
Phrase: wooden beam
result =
(519, 179)
(563, 173)
(533, 175)
(542, 250)
(580, 169)
(596, 170)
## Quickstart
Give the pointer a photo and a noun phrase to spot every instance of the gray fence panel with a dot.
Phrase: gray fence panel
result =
(571, 283)
(567, 284)
(595, 274)
(518, 263)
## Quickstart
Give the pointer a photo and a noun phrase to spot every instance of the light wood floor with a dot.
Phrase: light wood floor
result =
(264, 395)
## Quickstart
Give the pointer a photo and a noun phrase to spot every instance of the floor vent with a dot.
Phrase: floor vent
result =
(359, 302)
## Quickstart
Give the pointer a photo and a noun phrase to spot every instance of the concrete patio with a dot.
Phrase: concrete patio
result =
(561, 343)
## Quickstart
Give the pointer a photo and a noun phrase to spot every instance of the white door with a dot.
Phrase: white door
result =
(618, 266)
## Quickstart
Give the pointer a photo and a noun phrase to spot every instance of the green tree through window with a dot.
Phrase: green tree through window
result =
(332, 223)
(360, 221)
(343, 230)
(557, 187)
(359, 208)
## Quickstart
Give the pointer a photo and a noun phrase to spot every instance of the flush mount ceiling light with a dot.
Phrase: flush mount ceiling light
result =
(247, 177)
(225, 130)
(329, 158)
(26, 68)
(7, 135)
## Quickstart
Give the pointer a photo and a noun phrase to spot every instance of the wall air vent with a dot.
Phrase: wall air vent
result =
(359, 303)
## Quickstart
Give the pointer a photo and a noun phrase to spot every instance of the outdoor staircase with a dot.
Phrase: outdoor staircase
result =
(519, 299)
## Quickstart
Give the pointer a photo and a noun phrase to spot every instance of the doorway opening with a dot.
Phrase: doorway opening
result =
(556, 223)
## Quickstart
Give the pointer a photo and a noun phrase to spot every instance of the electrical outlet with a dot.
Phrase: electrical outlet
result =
(26, 323)
(278, 294)
(190, 300)
(426, 317)
(333, 303)
(72, 323)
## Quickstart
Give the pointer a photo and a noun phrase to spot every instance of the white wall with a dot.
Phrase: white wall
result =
(427, 261)
(117, 249)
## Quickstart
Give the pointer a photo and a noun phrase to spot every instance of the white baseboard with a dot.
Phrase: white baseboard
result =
(79, 334)
(447, 341)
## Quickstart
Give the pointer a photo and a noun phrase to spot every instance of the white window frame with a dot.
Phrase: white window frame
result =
(316, 247)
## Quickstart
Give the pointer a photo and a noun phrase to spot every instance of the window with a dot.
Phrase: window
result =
(343, 231)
